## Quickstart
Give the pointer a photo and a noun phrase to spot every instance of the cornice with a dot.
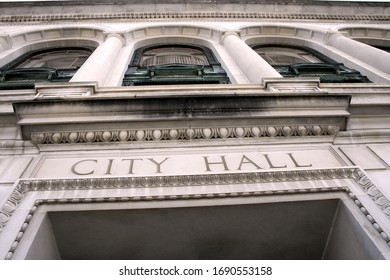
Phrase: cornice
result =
(215, 179)
(42, 202)
(213, 16)
(106, 119)
(33, 185)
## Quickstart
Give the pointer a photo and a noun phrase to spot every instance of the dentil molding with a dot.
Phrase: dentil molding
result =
(354, 173)
(351, 173)
(190, 15)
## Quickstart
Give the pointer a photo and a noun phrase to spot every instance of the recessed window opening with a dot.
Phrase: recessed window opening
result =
(286, 55)
(173, 55)
(174, 64)
(46, 65)
(297, 61)
(59, 59)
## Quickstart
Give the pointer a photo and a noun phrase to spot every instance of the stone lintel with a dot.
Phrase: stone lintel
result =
(238, 116)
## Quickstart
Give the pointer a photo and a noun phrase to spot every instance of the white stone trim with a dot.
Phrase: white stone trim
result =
(33, 185)
(63, 33)
(134, 16)
(183, 134)
(354, 173)
(366, 32)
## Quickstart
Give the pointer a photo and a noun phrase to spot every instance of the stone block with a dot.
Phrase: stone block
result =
(361, 156)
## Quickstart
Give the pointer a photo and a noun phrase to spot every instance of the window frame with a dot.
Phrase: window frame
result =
(328, 71)
(168, 74)
(12, 77)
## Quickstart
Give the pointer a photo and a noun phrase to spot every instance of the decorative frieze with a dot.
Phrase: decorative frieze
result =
(40, 202)
(192, 180)
(187, 180)
(373, 192)
(174, 134)
(11, 204)
(191, 15)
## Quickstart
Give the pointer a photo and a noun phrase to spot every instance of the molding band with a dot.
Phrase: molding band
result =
(40, 202)
(353, 173)
(209, 133)
(190, 15)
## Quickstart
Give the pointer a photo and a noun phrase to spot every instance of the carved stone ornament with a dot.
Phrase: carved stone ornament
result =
(353, 173)
(11, 204)
(133, 16)
(206, 133)
(373, 192)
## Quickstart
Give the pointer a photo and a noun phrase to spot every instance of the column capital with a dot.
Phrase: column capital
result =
(332, 35)
(229, 33)
(121, 36)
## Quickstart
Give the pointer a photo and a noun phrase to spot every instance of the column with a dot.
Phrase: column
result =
(251, 64)
(372, 56)
(98, 66)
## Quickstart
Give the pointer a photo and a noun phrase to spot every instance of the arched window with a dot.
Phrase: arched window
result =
(48, 65)
(174, 64)
(292, 61)
(173, 55)
(285, 55)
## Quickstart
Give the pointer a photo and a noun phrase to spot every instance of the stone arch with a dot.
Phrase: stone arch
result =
(318, 39)
(368, 35)
(190, 31)
(314, 38)
(172, 34)
(22, 43)
(64, 33)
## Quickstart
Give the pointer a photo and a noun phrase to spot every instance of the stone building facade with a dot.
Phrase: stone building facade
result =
(192, 130)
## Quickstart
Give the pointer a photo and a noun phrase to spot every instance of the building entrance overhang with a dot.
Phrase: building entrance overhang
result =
(324, 227)
(326, 208)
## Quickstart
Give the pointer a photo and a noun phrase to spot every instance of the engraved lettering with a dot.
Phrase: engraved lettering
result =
(209, 163)
(158, 164)
(246, 160)
(131, 166)
(271, 164)
(223, 162)
(74, 167)
(109, 167)
(296, 163)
